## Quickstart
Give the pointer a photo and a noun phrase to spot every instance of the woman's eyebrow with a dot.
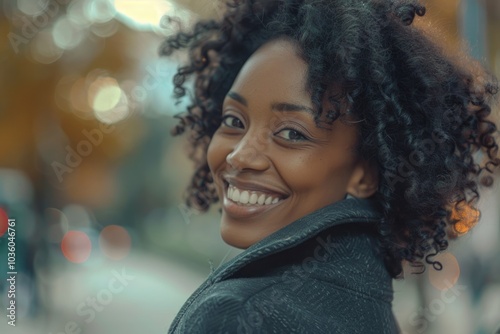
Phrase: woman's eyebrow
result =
(237, 97)
(284, 106)
(277, 106)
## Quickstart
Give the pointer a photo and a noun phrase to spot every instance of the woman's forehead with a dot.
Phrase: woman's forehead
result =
(274, 71)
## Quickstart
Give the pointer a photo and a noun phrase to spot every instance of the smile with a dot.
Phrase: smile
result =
(249, 197)
(244, 203)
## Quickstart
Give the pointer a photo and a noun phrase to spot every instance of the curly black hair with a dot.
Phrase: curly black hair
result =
(423, 115)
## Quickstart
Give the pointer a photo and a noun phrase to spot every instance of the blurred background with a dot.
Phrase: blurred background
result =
(104, 243)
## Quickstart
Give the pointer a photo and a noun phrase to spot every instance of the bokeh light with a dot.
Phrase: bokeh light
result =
(78, 99)
(15, 186)
(104, 93)
(30, 7)
(448, 276)
(77, 215)
(62, 92)
(115, 242)
(106, 29)
(4, 222)
(139, 13)
(108, 100)
(67, 35)
(100, 11)
(43, 49)
(76, 13)
(76, 246)
(57, 224)
(466, 217)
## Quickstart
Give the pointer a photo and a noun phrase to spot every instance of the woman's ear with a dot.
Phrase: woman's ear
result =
(364, 180)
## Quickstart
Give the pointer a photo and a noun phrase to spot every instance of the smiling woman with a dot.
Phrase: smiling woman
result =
(296, 167)
(341, 143)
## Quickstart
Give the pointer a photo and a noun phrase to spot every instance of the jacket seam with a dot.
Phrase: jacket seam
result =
(359, 293)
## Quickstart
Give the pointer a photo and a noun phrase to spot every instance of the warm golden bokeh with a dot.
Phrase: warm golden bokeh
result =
(448, 276)
(466, 217)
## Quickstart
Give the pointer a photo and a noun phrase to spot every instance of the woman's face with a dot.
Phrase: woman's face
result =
(271, 164)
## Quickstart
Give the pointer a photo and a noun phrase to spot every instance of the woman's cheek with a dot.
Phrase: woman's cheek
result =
(217, 151)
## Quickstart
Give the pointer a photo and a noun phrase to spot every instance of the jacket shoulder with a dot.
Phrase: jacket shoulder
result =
(265, 306)
(261, 307)
(224, 307)
(215, 313)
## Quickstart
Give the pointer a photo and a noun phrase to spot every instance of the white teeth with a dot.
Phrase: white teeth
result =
(236, 195)
(244, 197)
(251, 198)
(262, 199)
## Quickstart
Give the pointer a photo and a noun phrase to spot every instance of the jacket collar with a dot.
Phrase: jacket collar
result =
(347, 211)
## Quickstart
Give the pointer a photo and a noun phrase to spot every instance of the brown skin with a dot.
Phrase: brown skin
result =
(264, 148)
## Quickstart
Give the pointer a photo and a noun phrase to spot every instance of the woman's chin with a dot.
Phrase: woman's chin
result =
(235, 235)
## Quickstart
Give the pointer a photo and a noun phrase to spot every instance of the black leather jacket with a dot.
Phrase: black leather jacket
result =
(320, 274)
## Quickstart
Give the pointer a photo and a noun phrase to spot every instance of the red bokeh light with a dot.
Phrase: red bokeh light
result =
(76, 246)
(4, 222)
(115, 242)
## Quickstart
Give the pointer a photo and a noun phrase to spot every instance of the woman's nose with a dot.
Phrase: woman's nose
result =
(248, 154)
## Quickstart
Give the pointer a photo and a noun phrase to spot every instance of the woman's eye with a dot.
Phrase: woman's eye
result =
(232, 122)
(291, 135)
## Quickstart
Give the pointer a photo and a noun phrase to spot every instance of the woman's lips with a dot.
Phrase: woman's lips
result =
(267, 187)
(241, 211)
